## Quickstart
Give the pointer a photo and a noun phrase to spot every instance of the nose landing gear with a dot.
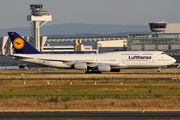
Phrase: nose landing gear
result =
(159, 70)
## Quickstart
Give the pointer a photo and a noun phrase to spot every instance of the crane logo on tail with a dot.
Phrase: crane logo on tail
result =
(18, 43)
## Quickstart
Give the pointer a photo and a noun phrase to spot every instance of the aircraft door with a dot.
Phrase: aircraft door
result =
(123, 61)
(149, 61)
(153, 58)
(153, 61)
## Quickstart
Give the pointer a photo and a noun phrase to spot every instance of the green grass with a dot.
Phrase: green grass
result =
(67, 95)
(132, 92)
(104, 88)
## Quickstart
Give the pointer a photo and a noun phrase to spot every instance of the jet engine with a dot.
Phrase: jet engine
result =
(80, 66)
(104, 68)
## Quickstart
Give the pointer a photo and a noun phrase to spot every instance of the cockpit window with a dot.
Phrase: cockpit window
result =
(162, 53)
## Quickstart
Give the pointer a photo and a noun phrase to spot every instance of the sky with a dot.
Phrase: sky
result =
(122, 12)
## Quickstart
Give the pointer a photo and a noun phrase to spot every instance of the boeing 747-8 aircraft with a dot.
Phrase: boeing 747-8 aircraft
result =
(105, 62)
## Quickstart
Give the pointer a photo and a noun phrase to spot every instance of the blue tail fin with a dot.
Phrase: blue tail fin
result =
(20, 45)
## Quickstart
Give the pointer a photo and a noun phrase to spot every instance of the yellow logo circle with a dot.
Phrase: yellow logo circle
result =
(18, 43)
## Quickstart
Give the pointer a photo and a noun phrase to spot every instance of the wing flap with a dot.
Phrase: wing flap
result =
(90, 64)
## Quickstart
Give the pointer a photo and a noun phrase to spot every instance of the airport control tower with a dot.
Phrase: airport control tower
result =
(38, 17)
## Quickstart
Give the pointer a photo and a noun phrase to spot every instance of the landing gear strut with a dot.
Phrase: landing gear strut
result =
(159, 70)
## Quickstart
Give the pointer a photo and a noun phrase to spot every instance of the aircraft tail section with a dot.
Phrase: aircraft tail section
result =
(20, 45)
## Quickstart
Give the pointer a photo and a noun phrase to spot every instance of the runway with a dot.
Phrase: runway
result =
(92, 116)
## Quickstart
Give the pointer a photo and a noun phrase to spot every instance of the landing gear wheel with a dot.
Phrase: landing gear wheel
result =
(91, 72)
(159, 70)
(87, 72)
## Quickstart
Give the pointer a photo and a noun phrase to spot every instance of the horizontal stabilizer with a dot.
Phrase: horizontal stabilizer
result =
(20, 57)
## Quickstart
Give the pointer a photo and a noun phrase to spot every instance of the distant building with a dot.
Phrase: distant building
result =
(85, 44)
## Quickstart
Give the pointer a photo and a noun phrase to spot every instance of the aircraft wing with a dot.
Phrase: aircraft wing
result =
(71, 62)
(90, 64)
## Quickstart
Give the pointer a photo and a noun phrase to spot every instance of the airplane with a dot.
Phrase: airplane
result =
(92, 63)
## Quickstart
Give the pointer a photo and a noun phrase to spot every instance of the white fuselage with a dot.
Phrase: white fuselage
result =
(121, 59)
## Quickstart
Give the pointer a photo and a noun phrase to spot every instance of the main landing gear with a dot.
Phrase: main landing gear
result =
(92, 70)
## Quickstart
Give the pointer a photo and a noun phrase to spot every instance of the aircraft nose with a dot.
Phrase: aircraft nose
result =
(173, 60)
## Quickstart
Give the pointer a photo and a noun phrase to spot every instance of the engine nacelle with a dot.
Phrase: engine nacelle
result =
(80, 66)
(104, 68)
